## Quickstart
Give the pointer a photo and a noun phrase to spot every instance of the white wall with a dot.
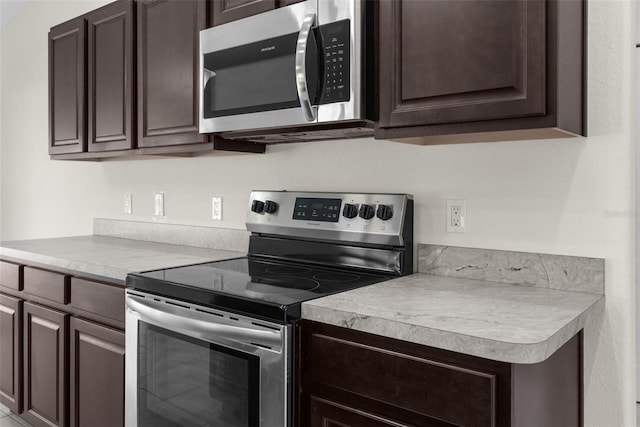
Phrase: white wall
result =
(573, 196)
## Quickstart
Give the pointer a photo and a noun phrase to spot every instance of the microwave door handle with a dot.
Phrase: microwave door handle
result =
(165, 317)
(301, 70)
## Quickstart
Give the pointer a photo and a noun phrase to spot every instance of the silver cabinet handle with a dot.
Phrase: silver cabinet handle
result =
(202, 325)
(301, 71)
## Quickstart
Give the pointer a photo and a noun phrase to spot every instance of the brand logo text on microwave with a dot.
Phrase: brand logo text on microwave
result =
(268, 48)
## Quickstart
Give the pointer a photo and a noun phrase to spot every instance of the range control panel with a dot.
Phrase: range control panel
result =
(355, 217)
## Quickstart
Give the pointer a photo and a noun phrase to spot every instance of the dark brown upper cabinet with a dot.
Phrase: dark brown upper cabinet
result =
(459, 71)
(168, 95)
(67, 100)
(123, 80)
(91, 82)
(111, 80)
(223, 11)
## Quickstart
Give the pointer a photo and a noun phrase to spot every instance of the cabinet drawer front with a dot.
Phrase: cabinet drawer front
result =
(436, 390)
(47, 284)
(11, 275)
(97, 298)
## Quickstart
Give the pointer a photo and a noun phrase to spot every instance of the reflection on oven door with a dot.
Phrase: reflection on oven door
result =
(184, 381)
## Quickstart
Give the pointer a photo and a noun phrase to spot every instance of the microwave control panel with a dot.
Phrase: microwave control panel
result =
(335, 42)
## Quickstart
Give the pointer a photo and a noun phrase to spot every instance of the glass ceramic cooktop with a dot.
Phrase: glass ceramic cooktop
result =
(274, 284)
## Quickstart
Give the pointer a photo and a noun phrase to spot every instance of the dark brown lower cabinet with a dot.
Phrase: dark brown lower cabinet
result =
(45, 366)
(346, 378)
(61, 347)
(11, 353)
(97, 375)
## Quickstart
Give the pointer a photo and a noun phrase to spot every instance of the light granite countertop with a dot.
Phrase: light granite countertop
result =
(504, 322)
(109, 257)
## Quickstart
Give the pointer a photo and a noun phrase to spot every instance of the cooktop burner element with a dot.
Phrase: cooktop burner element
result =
(306, 245)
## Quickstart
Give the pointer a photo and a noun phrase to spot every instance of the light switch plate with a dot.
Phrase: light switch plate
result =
(127, 203)
(158, 203)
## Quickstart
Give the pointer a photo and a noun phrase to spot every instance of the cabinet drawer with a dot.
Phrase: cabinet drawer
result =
(47, 284)
(11, 275)
(375, 376)
(97, 298)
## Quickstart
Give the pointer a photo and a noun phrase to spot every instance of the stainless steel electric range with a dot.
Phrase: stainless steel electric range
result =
(211, 344)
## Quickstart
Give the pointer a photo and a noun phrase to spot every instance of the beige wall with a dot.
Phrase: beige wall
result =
(572, 196)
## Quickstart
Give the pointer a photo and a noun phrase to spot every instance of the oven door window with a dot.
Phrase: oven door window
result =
(258, 77)
(184, 381)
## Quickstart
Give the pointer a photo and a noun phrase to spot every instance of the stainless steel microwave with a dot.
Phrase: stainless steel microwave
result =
(297, 65)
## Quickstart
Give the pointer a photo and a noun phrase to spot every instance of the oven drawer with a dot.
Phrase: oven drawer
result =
(98, 298)
(11, 275)
(47, 284)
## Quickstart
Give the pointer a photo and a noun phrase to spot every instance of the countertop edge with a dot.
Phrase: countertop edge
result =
(509, 352)
(82, 267)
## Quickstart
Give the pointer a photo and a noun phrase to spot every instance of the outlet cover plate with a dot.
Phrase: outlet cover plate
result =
(456, 216)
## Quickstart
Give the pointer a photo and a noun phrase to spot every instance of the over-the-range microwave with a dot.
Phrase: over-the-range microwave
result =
(298, 65)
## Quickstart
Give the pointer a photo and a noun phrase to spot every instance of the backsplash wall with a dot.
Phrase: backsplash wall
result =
(569, 196)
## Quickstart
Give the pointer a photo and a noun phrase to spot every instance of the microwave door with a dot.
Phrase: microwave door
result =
(261, 71)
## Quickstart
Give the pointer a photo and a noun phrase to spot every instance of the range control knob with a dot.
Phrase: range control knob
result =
(257, 206)
(384, 212)
(270, 207)
(350, 211)
(366, 211)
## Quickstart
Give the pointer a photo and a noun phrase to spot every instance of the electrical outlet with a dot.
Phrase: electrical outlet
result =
(216, 208)
(456, 216)
(126, 203)
(158, 203)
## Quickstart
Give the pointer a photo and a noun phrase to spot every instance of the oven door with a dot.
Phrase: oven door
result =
(188, 366)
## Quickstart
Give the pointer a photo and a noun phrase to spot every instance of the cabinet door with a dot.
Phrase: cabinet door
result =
(67, 100)
(168, 38)
(45, 366)
(97, 375)
(325, 413)
(453, 61)
(223, 11)
(110, 77)
(11, 353)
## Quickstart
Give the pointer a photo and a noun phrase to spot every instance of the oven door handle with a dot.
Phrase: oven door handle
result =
(301, 69)
(202, 325)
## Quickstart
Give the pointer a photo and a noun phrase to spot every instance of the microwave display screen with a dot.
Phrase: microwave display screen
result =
(255, 77)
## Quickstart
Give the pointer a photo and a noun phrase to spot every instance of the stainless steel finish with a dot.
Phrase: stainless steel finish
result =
(337, 10)
(286, 20)
(301, 69)
(206, 76)
(356, 230)
(218, 327)
(264, 26)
